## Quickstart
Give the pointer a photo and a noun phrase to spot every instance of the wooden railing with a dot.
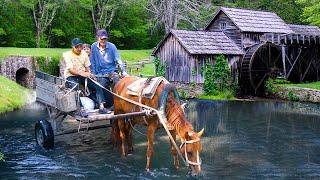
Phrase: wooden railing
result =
(135, 68)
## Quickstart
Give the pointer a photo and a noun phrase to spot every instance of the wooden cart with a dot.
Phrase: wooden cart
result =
(62, 101)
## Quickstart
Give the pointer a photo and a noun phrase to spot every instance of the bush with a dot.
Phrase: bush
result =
(1, 157)
(48, 65)
(292, 96)
(217, 77)
(269, 86)
(160, 68)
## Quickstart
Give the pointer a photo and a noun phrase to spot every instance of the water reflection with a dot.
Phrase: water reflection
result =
(245, 140)
(259, 139)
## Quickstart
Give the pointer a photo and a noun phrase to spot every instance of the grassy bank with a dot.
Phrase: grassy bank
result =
(227, 95)
(12, 95)
(313, 85)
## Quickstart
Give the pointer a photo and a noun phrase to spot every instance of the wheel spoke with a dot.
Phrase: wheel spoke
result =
(261, 81)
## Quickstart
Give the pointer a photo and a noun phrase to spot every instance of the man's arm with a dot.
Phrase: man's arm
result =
(119, 61)
(92, 61)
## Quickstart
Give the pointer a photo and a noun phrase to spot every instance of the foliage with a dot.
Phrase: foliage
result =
(42, 12)
(193, 84)
(48, 65)
(292, 96)
(193, 72)
(182, 93)
(209, 86)
(12, 95)
(1, 156)
(269, 86)
(217, 78)
(160, 68)
(310, 12)
(219, 96)
(132, 25)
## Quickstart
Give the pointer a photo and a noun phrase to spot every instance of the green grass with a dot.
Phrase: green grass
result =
(12, 95)
(313, 85)
(128, 56)
(220, 96)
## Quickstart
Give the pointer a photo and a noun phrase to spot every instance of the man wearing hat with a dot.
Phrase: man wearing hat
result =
(78, 68)
(105, 60)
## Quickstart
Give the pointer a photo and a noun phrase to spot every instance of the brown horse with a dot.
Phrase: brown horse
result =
(165, 98)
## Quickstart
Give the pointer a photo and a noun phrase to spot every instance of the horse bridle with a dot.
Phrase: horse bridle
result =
(184, 143)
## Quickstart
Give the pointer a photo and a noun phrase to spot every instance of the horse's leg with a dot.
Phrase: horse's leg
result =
(116, 132)
(152, 127)
(122, 129)
(129, 137)
(174, 151)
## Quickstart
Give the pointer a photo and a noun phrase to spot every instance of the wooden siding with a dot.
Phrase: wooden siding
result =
(249, 39)
(232, 31)
(177, 60)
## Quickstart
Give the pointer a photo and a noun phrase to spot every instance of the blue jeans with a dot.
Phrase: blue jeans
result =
(91, 85)
(107, 96)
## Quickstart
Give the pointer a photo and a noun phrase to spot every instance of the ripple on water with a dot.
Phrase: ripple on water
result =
(242, 140)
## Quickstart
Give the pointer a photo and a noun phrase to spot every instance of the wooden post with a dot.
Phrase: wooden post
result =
(283, 51)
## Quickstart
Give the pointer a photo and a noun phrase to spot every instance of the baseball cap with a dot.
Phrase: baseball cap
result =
(102, 33)
(76, 42)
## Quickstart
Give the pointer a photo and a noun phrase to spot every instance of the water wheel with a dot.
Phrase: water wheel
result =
(260, 62)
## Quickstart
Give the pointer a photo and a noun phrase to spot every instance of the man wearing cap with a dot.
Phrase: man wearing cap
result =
(78, 67)
(104, 61)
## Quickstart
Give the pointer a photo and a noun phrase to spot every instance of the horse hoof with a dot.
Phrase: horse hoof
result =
(177, 167)
(148, 169)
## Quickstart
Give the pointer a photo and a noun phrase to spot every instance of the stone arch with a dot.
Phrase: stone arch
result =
(23, 77)
(20, 69)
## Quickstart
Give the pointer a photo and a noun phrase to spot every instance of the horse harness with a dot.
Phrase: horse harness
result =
(184, 143)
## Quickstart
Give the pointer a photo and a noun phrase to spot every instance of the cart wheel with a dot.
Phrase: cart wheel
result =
(44, 134)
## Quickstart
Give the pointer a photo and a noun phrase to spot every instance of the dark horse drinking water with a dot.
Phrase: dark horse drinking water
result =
(165, 97)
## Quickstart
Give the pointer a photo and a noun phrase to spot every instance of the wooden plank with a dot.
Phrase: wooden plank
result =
(283, 51)
(47, 85)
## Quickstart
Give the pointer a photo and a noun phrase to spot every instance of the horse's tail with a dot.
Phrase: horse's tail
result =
(164, 96)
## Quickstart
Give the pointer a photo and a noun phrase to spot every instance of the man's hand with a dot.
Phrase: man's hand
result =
(85, 74)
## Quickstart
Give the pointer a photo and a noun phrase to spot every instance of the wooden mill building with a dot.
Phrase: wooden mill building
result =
(185, 52)
(258, 44)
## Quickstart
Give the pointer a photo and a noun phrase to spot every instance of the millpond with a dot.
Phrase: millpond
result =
(242, 140)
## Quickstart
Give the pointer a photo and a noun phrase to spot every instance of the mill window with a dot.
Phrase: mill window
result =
(223, 25)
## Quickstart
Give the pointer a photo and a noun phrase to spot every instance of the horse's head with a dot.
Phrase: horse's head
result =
(191, 148)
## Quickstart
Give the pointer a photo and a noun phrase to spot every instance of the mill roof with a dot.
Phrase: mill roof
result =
(254, 21)
(305, 29)
(204, 42)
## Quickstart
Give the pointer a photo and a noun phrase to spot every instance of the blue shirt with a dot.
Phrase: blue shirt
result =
(104, 61)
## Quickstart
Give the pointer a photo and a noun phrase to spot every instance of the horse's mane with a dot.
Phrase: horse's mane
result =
(176, 116)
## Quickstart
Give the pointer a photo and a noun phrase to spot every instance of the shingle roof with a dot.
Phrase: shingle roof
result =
(204, 42)
(305, 29)
(255, 21)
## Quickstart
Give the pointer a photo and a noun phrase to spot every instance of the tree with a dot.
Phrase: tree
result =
(170, 12)
(43, 12)
(102, 11)
(310, 13)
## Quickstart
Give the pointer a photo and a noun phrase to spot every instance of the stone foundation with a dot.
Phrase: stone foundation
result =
(189, 90)
(298, 94)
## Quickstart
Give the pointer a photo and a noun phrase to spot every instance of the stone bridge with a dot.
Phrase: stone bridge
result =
(20, 69)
